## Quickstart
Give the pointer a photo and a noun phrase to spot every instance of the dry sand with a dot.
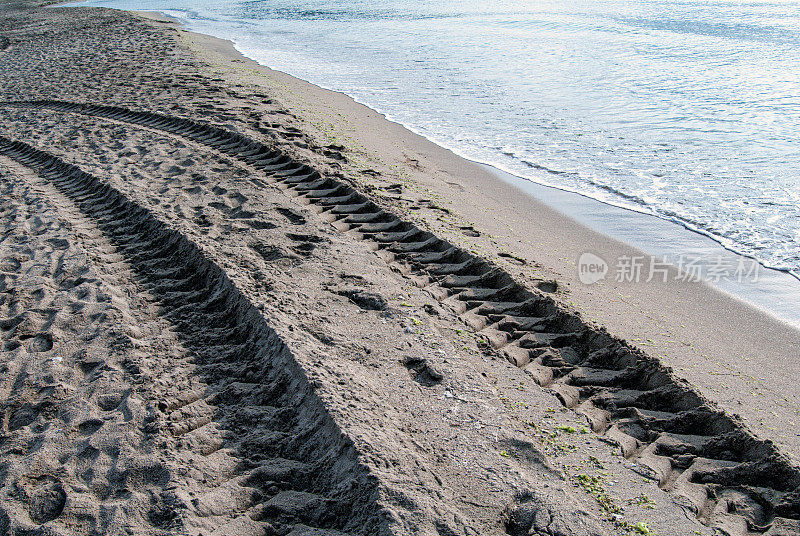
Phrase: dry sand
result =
(201, 335)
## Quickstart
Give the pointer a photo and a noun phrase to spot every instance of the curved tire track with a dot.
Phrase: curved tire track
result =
(717, 468)
(297, 470)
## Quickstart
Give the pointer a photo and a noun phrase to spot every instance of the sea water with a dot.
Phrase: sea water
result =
(686, 109)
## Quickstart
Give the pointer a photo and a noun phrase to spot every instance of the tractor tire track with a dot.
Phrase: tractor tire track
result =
(727, 477)
(296, 472)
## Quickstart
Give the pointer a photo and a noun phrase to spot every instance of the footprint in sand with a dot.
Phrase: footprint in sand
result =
(294, 217)
(305, 243)
(469, 230)
(46, 500)
(41, 342)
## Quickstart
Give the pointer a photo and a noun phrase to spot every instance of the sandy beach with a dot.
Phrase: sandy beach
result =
(233, 302)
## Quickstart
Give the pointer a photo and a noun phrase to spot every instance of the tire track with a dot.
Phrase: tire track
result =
(728, 478)
(296, 471)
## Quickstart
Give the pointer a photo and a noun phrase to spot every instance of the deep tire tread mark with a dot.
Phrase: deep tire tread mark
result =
(626, 395)
(233, 345)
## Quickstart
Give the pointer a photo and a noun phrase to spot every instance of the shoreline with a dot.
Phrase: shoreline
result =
(539, 185)
(776, 292)
(701, 332)
(542, 181)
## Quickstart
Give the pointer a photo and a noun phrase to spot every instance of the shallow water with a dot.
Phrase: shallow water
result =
(687, 109)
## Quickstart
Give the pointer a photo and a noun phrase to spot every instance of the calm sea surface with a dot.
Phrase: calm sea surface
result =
(686, 109)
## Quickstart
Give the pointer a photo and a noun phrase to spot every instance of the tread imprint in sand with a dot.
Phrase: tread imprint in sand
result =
(298, 473)
(727, 477)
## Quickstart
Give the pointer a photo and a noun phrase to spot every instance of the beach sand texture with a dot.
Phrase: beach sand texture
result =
(212, 325)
